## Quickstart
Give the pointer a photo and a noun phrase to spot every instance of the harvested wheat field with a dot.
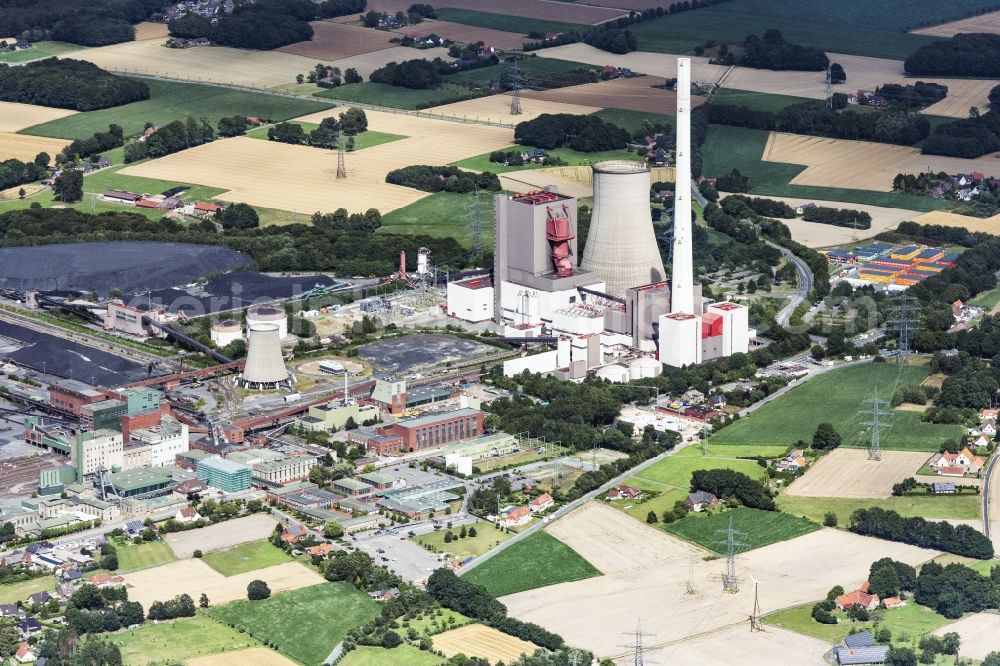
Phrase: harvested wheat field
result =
(862, 74)
(990, 225)
(636, 93)
(645, 571)
(536, 179)
(258, 656)
(849, 473)
(333, 41)
(986, 23)
(194, 577)
(221, 535)
(216, 64)
(644, 62)
(496, 109)
(15, 117)
(962, 95)
(147, 30)
(482, 641)
(303, 179)
(980, 634)
(862, 165)
(24, 147)
(736, 645)
(539, 9)
(469, 34)
(366, 63)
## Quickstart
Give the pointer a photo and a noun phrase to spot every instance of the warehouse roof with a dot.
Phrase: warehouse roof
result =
(438, 416)
(351, 484)
(134, 479)
(222, 465)
(376, 479)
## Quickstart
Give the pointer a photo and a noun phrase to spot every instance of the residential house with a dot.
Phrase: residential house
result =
(893, 602)
(624, 492)
(24, 654)
(988, 428)
(861, 597)
(206, 208)
(40, 598)
(700, 500)
(793, 462)
(804, 207)
(384, 595)
(961, 463)
(659, 157)
(515, 517)
(717, 401)
(103, 580)
(860, 648)
(549, 36)
(543, 502)
(293, 533)
(11, 610)
(943, 488)
(187, 514)
(693, 397)
(28, 627)
(134, 528)
(322, 550)
(71, 575)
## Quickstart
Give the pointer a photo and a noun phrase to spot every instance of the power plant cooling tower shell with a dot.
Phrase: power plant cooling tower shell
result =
(621, 246)
(265, 366)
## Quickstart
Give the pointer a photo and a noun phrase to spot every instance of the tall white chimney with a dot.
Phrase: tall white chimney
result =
(682, 280)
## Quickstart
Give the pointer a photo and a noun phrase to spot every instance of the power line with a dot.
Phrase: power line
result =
(878, 418)
(341, 166)
(516, 80)
(905, 323)
(638, 645)
(477, 222)
(731, 539)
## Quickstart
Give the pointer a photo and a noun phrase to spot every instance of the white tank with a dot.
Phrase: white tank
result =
(265, 366)
(226, 331)
(268, 314)
(621, 246)
(423, 261)
(614, 372)
(645, 367)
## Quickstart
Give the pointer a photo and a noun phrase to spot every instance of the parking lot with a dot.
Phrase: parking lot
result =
(400, 553)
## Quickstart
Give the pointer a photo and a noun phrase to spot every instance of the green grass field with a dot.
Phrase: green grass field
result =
(876, 28)
(404, 655)
(675, 471)
(397, 97)
(536, 561)
(546, 71)
(436, 621)
(632, 121)
(290, 620)
(178, 640)
(987, 299)
(757, 101)
(762, 528)
(507, 22)
(568, 155)
(143, 556)
(835, 397)
(361, 141)
(170, 101)
(911, 620)
(14, 592)
(665, 499)
(246, 557)
(38, 51)
(955, 507)
(727, 147)
(487, 536)
(440, 215)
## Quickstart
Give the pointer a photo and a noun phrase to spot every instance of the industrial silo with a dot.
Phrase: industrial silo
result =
(265, 366)
(621, 246)
(226, 331)
(268, 314)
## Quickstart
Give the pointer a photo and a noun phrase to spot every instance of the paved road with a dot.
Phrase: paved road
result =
(805, 284)
(989, 501)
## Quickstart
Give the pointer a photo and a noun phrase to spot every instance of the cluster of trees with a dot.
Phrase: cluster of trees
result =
(889, 525)
(815, 119)
(263, 25)
(613, 40)
(339, 220)
(904, 486)
(93, 611)
(233, 126)
(969, 137)
(516, 158)
(838, 217)
(93, 146)
(68, 84)
(64, 648)
(180, 606)
(84, 22)
(956, 589)
(332, 8)
(14, 172)
(826, 438)
(171, 138)
(258, 590)
(417, 74)
(443, 179)
(726, 483)
(772, 52)
(765, 207)
(913, 97)
(968, 54)
(327, 135)
(238, 216)
(734, 181)
(587, 134)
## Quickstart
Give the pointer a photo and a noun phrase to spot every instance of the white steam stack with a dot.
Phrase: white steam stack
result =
(682, 278)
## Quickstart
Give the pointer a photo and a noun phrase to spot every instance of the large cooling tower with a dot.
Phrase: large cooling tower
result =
(621, 247)
(265, 367)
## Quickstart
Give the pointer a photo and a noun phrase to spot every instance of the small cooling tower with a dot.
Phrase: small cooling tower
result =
(621, 247)
(265, 367)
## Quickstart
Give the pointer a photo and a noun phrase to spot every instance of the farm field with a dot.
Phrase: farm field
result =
(335, 41)
(550, 71)
(382, 94)
(211, 64)
(861, 164)
(23, 147)
(361, 141)
(834, 397)
(758, 101)
(15, 117)
(14, 592)
(574, 181)
(567, 155)
(470, 34)
(404, 655)
(246, 557)
(987, 299)
(149, 554)
(496, 109)
(436, 621)
(979, 633)
(286, 620)
(487, 536)
(632, 121)
(523, 8)
(536, 561)
(179, 640)
(675, 471)
(366, 63)
(194, 577)
(256, 656)
(876, 28)
(962, 95)
(762, 528)
(248, 168)
(435, 216)
(951, 507)
(862, 74)
(990, 225)
(645, 572)
(736, 645)
(660, 65)
(175, 101)
(636, 94)
(848, 473)
(40, 50)
(482, 641)
(148, 30)
(989, 23)
(222, 535)
(511, 20)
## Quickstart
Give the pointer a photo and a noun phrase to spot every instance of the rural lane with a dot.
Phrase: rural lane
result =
(805, 284)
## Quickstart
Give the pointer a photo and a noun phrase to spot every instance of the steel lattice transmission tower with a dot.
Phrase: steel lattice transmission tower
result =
(731, 539)
(516, 82)
(878, 418)
(341, 166)
(476, 215)
(829, 88)
(905, 323)
(638, 645)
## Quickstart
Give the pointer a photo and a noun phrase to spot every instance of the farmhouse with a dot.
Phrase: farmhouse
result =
(793, 462)
(103, 580)
(187, 515)
(121, 197)
(957, 464)
(861, 597)
(384, 595)
(541, 503)
(700, 500)
(516, 516)
(624, 492)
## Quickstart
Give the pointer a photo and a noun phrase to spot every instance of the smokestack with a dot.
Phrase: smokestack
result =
(621, 246)
(682, 280)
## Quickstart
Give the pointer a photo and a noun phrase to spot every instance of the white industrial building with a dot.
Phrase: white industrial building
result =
(471, 299)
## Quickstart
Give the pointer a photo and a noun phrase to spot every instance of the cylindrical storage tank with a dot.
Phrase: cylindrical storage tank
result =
(268, 314)
(423, 261)
(647, 367)
(634, 371)
(265, 367)
(621, 246)
(226, 331)
(616, 373)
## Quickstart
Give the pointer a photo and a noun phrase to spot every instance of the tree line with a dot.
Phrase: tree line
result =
(772, 52)
(263, 25)
(417, 74)
(727, 483)
(968, 137)
(913, 97)
(965, 54)
(443, 179)
(838, 217)
(170, 138)
(14, 172)
(587, 134)
(94, 145)
(84, 22)
(761, 206)
(916, 531)
(68, 84)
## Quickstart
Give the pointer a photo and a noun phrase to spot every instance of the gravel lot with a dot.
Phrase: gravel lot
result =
(223, 535)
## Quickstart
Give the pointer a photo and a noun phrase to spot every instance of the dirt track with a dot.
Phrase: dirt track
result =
(849, 473)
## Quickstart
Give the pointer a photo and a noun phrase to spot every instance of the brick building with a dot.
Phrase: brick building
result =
(430, 431)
